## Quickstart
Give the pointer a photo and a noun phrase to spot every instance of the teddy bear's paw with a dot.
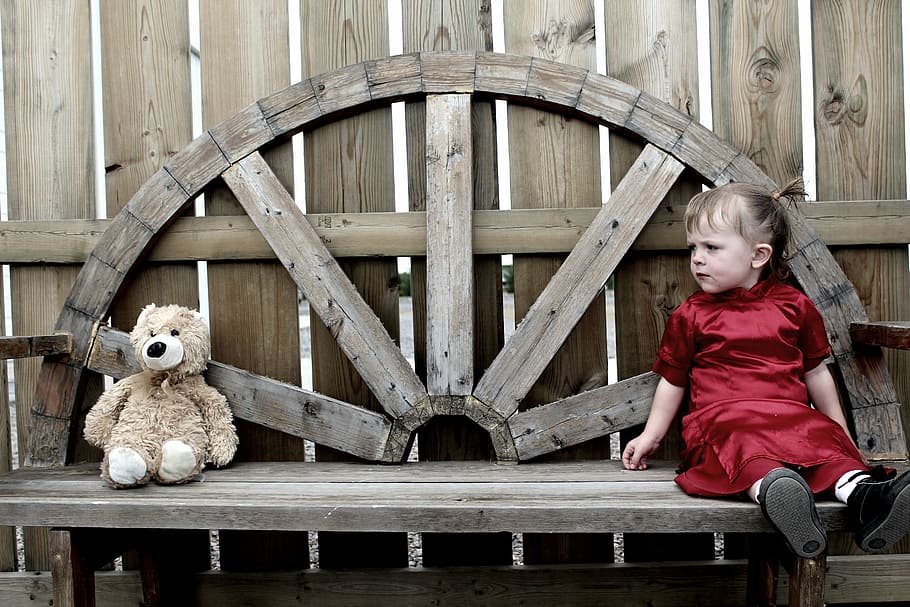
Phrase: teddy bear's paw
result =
(178, 462)
(125, 466)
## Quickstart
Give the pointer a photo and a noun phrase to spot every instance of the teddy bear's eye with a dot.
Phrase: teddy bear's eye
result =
(174, 332)
(151, 334)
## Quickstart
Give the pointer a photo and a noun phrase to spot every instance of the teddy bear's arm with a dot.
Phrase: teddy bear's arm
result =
(103, 416)
(219, 425)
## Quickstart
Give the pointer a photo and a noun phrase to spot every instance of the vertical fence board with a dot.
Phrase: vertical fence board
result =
(254, 316)
(49, 152)
(349, 168)
(860, 150)
(755, 82)
(437, 25)
(651, 45)
(147, 117)
(555, 163)
(7, 534)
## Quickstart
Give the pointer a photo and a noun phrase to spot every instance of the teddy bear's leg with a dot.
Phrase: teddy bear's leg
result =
(178, 462)
(126, 467)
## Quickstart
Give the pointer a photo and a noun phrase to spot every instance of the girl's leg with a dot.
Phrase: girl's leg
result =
(789, 505)
(879, 507)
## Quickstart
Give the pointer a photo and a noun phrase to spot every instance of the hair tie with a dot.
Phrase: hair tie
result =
(776, 195)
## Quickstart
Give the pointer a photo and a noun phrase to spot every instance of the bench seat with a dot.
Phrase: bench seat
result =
(568, 497)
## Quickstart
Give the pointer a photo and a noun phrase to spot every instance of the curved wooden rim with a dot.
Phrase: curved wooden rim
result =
(230, 148)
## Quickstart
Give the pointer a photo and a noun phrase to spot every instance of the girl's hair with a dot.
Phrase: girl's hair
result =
(754, 213)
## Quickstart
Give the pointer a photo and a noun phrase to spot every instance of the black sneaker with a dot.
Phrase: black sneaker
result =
(880, 512)
(788, 504)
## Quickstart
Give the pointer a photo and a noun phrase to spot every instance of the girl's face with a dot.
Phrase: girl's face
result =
(721, 259)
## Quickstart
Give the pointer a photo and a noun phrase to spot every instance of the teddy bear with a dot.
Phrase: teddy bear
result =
(165, 422)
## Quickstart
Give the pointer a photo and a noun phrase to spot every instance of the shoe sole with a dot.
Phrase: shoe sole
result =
(790, 508)
(882, 533)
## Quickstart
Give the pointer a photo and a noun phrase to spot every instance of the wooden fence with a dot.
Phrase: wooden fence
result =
(757, 58)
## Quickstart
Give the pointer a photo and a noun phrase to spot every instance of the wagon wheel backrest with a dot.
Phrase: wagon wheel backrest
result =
(491, 397)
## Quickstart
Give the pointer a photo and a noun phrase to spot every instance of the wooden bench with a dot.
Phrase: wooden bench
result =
(92, 522)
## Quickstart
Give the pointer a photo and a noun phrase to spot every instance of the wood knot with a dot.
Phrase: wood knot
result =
(764, 71)
(838, 106)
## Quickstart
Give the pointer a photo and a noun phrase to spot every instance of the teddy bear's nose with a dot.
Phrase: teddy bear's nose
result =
(156, 350)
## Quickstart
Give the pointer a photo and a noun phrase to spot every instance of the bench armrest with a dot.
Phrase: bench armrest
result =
(35, 345)
(886, 333)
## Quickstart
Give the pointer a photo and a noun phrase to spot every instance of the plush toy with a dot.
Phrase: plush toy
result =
(165, 422)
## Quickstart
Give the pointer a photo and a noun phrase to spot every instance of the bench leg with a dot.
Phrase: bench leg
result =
(150, 578)
(72, 570)
(807, 582)
(764, 564)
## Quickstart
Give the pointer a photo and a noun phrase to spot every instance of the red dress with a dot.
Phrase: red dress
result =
(743, 355)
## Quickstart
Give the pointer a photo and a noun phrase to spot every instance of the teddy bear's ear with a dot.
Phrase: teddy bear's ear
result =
(145, 312)
(200, 317)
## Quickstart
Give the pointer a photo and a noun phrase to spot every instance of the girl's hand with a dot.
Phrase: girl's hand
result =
(635, 455)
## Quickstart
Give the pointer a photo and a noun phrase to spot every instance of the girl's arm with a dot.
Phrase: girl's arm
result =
(667, 399)
(823, 394)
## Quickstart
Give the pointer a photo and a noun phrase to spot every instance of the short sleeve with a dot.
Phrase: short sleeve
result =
(813, 339)
(677, 347)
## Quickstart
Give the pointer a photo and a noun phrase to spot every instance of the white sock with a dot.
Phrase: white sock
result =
(752, 492)
(845, 485)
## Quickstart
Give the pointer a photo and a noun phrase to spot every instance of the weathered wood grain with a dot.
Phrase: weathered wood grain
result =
(887, 334)
(289, 108)
(426, 496)
(755, 81)
(243, 133)
(73, 585)
(35, 345)
(349, 168)
(354, 326)
(707, 583)
(651, 45)
(146, 92)
(577, 282)
(505, 74)
(861, 155)
(451, 72)
(554, 162)
(546, 230)
(450, 268)
(582, 417)
(49, 158)
(437, 25)
(145, 87)
(253, 306)
(394, 78)
(8, 552)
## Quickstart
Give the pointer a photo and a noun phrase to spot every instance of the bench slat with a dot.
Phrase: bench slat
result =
(426, 496)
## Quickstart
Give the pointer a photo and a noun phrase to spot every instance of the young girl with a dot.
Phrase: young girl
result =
(750, 350)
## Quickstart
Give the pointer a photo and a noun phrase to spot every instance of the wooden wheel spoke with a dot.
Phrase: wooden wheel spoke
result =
(450, 272)
(355, 327)
(577, 282)
(582, 417)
